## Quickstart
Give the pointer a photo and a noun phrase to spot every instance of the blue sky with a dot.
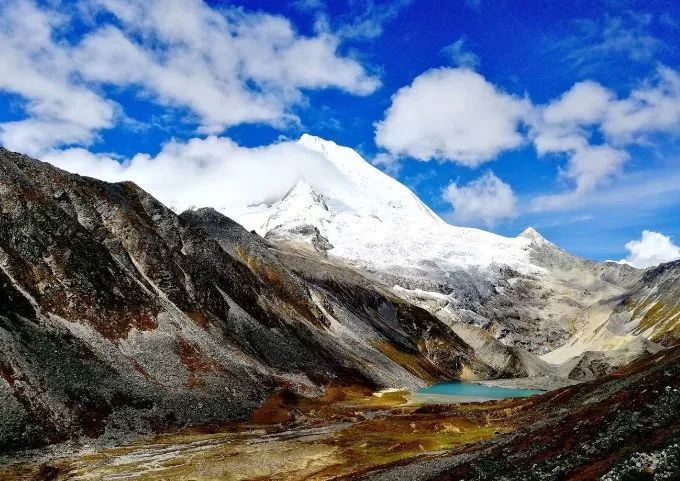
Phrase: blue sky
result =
(591, 172)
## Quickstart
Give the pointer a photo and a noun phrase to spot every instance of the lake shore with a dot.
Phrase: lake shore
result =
(542, 383)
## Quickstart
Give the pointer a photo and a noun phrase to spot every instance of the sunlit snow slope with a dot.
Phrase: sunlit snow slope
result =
(378, 223)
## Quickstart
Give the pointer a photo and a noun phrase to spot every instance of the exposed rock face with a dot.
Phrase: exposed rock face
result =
(345, 297)
(535, 311)
(648, 310)
(652, 308)
(119, 316)
(594, 364)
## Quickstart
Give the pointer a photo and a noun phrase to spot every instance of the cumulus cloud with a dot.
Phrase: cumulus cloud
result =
(652, 249)
(77, 160)
(651, 108)
(224, 66)
(455, 114)
(487, 199)
(212, 171)
(567, 124)
(452, 114)
(583, 104)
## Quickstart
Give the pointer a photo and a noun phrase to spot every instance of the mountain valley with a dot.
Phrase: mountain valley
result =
(301, 325)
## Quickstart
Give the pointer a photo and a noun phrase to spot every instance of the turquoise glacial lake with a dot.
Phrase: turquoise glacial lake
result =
(470, 390)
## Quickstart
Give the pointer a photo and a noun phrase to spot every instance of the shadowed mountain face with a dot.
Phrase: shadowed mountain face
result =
(118, 316)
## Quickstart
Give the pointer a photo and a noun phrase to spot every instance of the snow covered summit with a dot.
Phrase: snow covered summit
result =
(377, 223)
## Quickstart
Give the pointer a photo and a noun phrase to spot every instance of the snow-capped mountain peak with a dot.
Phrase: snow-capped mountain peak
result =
(302, 205)
(304, 193)
(375, 222)
(520, 289)
(375, 193)
(534, 236)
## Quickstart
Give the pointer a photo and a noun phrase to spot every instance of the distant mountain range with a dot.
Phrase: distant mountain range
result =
(120, 317)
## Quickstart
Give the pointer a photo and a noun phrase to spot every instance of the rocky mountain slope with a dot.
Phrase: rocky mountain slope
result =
(119, 316)
(512, 298)
(647, 314)
(622, 427)
(652, 308)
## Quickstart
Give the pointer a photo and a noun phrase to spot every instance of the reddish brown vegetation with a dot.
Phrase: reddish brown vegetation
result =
(199, 318)
(196, 362)
(277, 409)
(113, 324)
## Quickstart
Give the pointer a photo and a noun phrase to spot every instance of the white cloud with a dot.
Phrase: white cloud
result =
(567, 124)
(628, 35)
(213, 171)
(361, 20)
(225, 66)
(487, 199)
(60, 110)
(83, 162)
(32, 136)
(452, 114)
(457, 115)
(588, 167)
(652, 249)
(370, 23)
(459, 55)
(388, 162)
(584, 104)
(563, 126)
(651, 108)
